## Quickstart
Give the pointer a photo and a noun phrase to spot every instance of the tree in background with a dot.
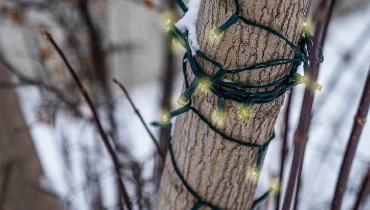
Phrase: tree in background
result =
(21, 174)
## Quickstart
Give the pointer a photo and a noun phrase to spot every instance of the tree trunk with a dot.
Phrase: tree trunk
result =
(20, 169)
(217, 169)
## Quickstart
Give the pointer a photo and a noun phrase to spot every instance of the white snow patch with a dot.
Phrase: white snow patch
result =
(188, 22)
(227, 80)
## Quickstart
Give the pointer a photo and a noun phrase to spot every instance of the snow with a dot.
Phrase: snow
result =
(188, 23)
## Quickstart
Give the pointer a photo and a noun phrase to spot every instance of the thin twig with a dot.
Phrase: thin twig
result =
(284, 149)
(301, 135)
(358, 125)
(99, 126)
(5, 184)
(365, 189)
(160, 152)
(296, 199)
(27, 80)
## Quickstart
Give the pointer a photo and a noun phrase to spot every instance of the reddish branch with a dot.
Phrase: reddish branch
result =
(365, 189)
(99, 126)
(284, 146)
(358, 125)
(96, 46)
(325, 10)
(5, 184)
(160, 152)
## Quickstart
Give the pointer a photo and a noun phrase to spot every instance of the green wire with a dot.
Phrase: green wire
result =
(232, 91)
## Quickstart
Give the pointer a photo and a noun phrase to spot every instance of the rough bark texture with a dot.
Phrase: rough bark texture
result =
(20, 169)
(219, 170)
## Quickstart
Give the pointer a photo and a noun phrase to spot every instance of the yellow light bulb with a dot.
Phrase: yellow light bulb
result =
(252, 175)
(213, 34)
(306, 27)
(304, 79)
(167, 25)
(165, 118)
(205, 85)
(244, 114)
(275, 185)
(318, 87)
(181, 101)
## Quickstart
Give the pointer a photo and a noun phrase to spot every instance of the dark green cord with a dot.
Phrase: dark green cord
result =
(200, 202)
(232, 91)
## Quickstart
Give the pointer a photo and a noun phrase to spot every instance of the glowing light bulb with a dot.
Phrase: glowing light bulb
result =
(275, 185)
(167, 25)
(304, 79)
(252, 175)
(167, 17)
(181, 101)
(165, 118)
(318, 87)
(205, 85)
(244, 114)
(214, 34)
(306, 26)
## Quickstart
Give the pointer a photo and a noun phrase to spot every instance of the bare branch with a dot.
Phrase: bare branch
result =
(365, 189)
(99, 126)
(301, 135)
(284, 149)
(27, 80)
(160, 152)
(358, 125)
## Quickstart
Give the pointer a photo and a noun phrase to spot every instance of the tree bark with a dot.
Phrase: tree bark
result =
(217, 169)
(20, 168)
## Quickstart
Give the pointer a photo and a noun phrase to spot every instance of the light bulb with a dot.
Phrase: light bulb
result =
(167, 25)
(181, 101)
(244, 114)
(318, 87)
(165, 118)
(214, 34)
(205, 84)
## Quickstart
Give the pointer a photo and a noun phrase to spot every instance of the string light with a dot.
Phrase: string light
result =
(168, 16)
(218, 118)
(275, 185)
(228, 90)
(252, 175)
(214, 34)
(167, 25)
(317, 87)
(165, 118)
(305, 79)
(205, 84)
(181, 101)
(306, 27)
